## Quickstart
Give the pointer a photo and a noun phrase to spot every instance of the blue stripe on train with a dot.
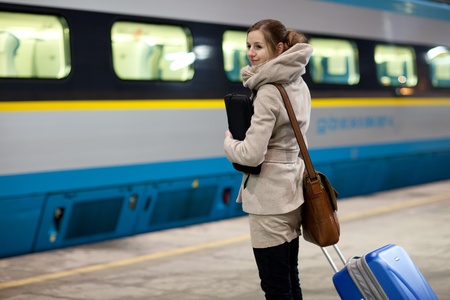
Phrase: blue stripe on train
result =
(358, 170)
(329, 158)
(419, 8)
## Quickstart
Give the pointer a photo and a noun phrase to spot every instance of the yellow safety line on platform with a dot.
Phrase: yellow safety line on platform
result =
(148, 257)
(123, 262)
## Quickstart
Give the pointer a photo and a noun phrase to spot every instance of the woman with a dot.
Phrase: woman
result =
(273, 198)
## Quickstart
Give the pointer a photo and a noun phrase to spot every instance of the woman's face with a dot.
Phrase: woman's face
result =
(257, 48)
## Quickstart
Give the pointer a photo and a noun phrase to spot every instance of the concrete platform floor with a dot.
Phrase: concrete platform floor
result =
(215, 260)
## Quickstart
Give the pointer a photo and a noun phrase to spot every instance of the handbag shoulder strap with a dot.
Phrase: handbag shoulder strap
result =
(298, 133)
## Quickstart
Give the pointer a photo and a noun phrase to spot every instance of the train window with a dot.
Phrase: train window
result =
(395, 65)
(439, 60)
(234, 54)
(33, 46)
(334, 61)
(144, 51)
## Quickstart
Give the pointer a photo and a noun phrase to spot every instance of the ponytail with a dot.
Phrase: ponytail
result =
(293, 37)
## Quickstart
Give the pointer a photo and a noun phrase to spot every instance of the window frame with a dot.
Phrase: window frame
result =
(138, 46)
(234, 51)
(393, 68)
(38, 45)
(343, 72)
(438, 60)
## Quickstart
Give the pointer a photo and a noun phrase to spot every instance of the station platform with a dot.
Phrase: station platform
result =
(215, 260)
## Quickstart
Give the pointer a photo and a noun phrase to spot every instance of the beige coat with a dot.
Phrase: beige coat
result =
(270, 139)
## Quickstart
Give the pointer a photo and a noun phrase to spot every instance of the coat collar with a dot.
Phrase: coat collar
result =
(284, 68)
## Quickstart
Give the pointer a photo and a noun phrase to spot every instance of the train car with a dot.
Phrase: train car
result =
(112, 117)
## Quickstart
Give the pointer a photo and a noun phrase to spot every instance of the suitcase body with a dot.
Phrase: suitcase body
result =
(385, 273)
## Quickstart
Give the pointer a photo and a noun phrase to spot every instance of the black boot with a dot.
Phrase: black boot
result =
(293, 263)
(278, 271)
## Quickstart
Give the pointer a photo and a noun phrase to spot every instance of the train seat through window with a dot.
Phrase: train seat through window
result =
(335, 69)
(47, 59)
(392, 73)
(131, 59)
(240, 60)
(440, 74)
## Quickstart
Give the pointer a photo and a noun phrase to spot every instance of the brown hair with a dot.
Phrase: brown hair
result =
(275, 32)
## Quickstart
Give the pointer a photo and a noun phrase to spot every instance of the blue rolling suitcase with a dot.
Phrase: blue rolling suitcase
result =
(385, 273)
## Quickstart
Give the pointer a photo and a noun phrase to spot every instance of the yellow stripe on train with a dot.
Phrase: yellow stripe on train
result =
(11, 106)
(110, 105)
(353, 102)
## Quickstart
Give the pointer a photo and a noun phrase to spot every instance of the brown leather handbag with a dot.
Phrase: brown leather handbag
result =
(320, 223)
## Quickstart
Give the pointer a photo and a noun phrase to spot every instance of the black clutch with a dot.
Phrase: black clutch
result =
(239, 113)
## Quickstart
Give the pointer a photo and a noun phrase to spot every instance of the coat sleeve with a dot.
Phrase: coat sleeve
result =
(252, 150)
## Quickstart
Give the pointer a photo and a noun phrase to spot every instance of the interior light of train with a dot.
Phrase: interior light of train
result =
(180, 60)
(436, 51)
(402, 79)
(203, 52)
(404, 91)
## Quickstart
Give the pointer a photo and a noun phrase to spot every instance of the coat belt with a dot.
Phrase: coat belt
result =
(281, 156)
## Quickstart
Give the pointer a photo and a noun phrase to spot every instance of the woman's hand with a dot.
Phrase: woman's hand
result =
(228, 134)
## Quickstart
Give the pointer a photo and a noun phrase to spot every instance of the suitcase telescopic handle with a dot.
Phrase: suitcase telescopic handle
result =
(330, 259)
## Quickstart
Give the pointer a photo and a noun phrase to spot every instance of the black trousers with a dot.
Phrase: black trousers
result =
(278, 271)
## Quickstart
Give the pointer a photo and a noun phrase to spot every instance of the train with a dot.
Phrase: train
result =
(112, 116)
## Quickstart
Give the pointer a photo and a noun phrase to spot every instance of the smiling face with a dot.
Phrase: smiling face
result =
(258, 51)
